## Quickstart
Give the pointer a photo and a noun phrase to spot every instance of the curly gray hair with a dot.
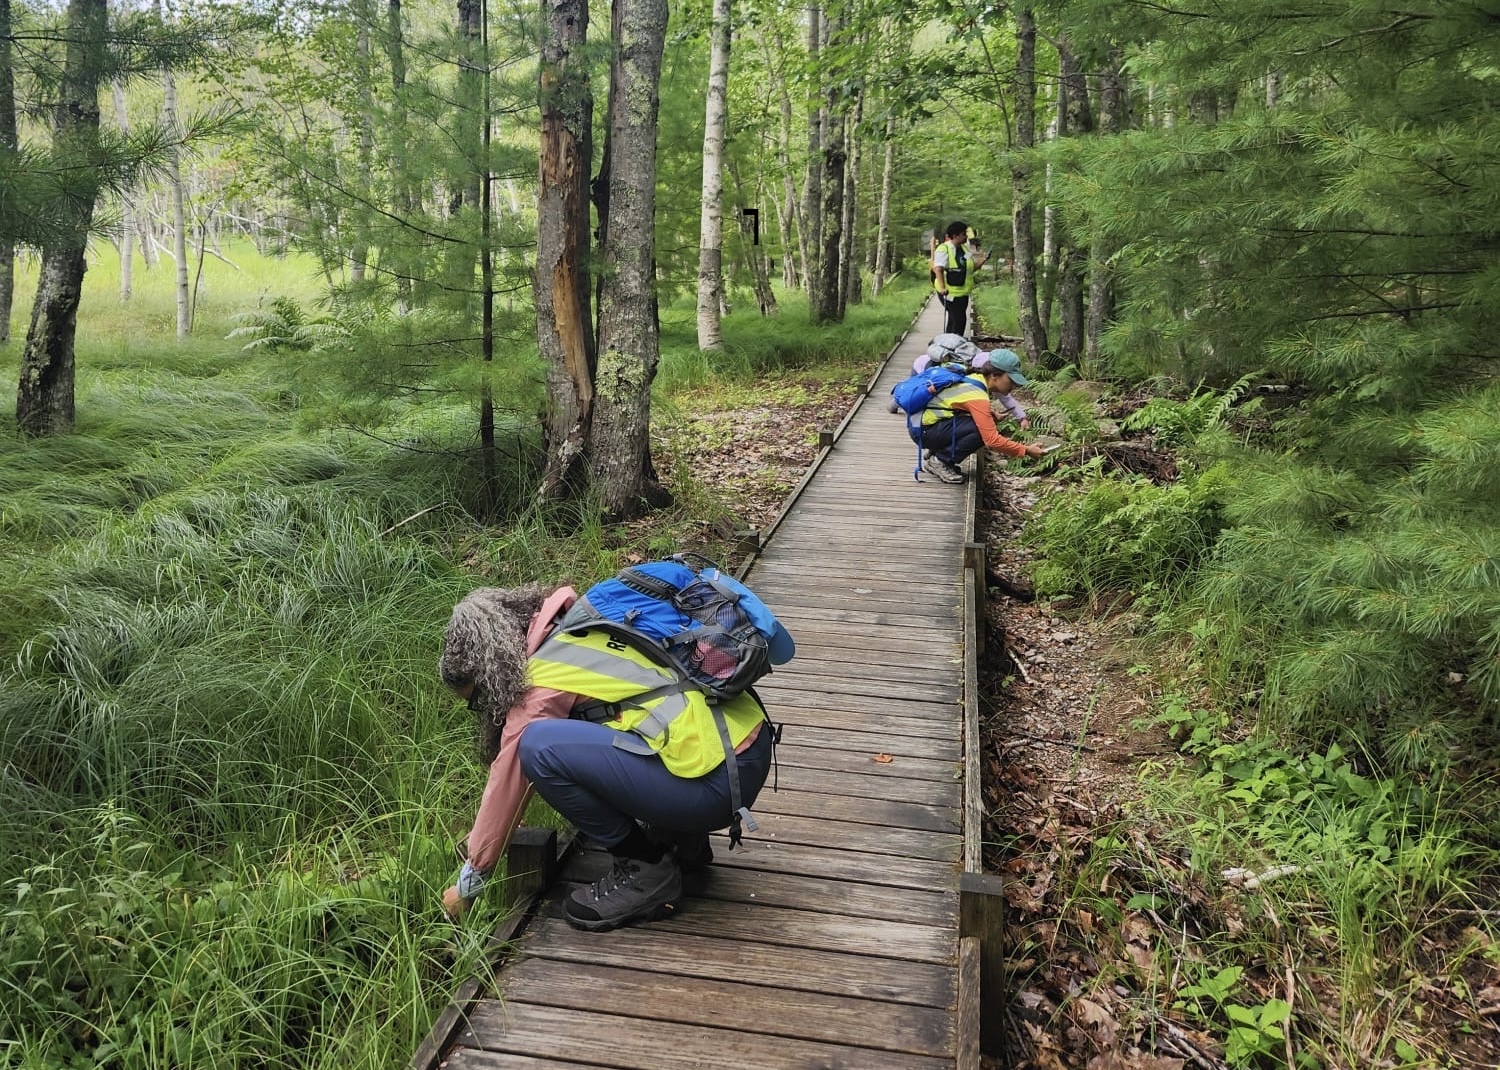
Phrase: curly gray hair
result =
(484, 645)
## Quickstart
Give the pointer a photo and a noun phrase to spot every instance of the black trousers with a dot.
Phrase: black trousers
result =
(953, 439)
(958, 316)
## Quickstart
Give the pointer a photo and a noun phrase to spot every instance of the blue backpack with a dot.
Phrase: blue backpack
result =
(709, 628)
(913, 394)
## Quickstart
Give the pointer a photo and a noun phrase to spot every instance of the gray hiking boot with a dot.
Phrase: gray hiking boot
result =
(942, 469)
(631, 891)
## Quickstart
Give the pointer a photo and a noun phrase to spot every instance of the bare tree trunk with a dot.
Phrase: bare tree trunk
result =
(883, 228)
(406, 200)
(44, 397)
(1112, 100)
(787, 216)
(1077, 121)
(364, 15)
(174, 185)
(711, 230)
(849, 253)
(9, 139)
(127, 201)
(490, 494)
(565, 332)
(629, 337)
(1033, 330)
(812, 188)
(824, 298)
(765, 296)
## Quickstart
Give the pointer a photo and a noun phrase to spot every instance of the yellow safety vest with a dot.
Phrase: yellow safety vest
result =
(657, 713)
(959, 278)
(973, 388)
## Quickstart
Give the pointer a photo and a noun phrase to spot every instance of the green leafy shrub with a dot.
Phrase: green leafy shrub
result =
(1126, 534)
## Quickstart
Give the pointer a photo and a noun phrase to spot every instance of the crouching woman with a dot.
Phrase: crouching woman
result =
(605, 735)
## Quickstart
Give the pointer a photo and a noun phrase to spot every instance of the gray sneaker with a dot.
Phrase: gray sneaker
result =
(631, 891)
(942, 469)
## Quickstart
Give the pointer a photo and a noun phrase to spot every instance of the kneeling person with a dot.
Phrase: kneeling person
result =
(959, 420)
(556, 716)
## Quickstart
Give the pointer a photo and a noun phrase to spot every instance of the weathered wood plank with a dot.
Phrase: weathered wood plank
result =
(780, 1012)
(688, 954)
(769, 888)
(868, 643)
(807, 692)
(789, 927)
(931, 686)
(852, 593)
(797, 714)
(910, 622)
(845, 761)
(867, 784)
(634, 1044)
(475, 1059)
(824, 831)
(905, 815)
(756, 852)
(851, 738)
(825, 661)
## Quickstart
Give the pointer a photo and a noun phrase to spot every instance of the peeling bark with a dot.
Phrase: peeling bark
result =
(565, 334)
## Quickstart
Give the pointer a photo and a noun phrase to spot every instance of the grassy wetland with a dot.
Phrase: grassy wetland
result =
(231, 781)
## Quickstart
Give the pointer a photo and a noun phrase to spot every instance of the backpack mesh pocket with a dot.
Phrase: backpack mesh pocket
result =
(726, 653)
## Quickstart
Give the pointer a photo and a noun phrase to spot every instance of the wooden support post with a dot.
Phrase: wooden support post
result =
(981, 914)
(747, 540)
(974, 558)
(530, 860)
(825, 439)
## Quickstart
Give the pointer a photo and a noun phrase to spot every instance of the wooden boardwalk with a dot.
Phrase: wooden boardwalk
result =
(831, 939)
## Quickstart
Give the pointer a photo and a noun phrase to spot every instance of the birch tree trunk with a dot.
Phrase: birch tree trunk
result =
(1033, 330)
(629, 337)
(812, 187)
(360, 254)
(406, 199)
(883, 227)
(565, 332)
(711, 230)
(44, 397)
(174, 186)
(127, 201)
(1047, 269)
(8, 140)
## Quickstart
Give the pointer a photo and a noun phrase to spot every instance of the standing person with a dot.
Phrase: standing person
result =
(959, 420)
(541, 698)
(953, 266)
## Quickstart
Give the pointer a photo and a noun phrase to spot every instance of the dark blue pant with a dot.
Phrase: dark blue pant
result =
(957, 321)
(601, 788)
(953, 439)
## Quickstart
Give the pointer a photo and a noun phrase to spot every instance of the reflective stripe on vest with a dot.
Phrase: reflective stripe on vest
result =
(941, 406)
(674, 721)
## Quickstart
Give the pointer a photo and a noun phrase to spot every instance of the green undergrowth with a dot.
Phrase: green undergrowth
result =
(1317, 594)
(231, 781)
